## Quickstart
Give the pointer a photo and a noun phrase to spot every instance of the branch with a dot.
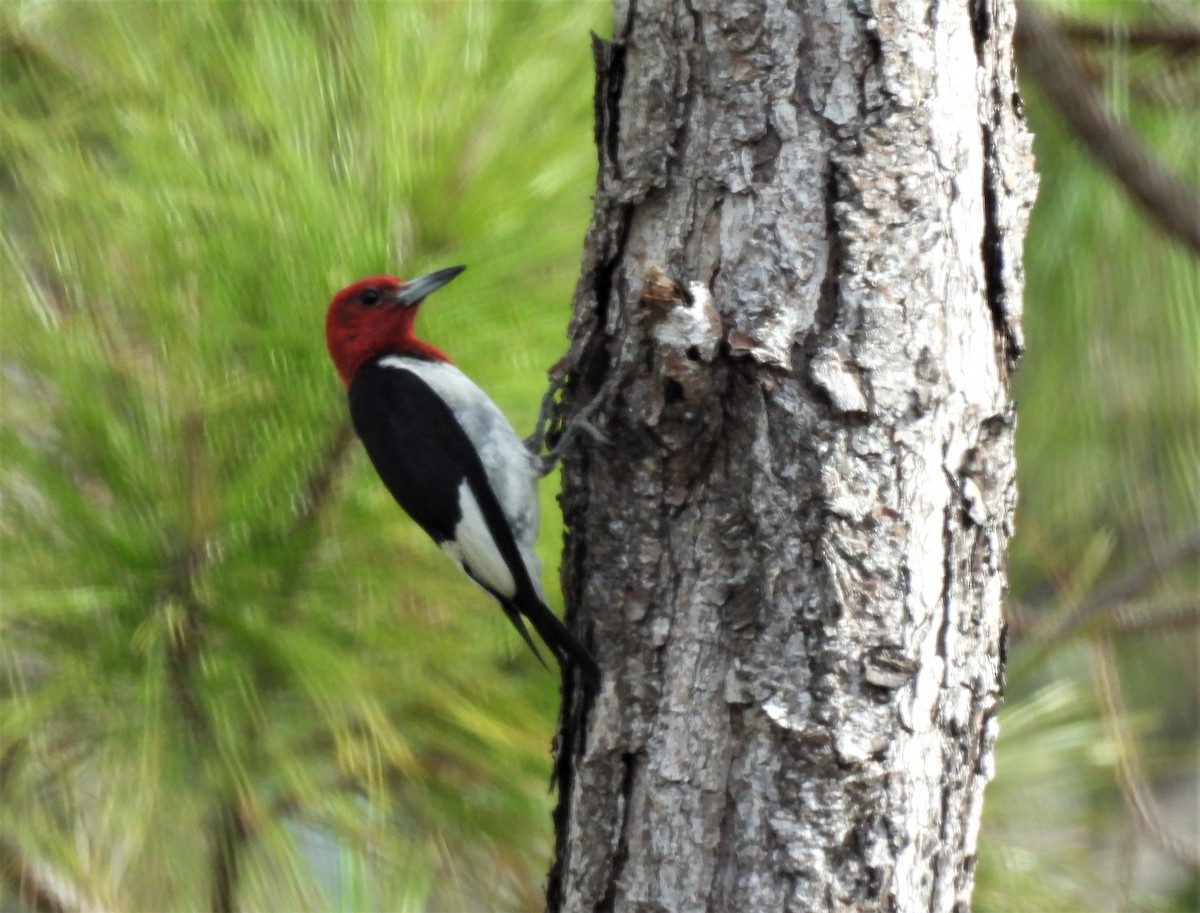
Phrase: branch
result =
(1112, 599)
(1139, 618)
(320, 482)
(228, 837)
(1048, 56)
(1139, 797)
(1174, 38)
(36, 885)
(228, 830)
(316, 497)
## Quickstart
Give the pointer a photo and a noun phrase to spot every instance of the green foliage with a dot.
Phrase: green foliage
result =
(1108, 437)
(1042, 812)
(192, 620)
(208, 602)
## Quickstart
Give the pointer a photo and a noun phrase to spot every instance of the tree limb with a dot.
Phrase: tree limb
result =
(1174, 38)
(1131, 776)
(36, 885)
(1048, 57)
(1127, 588)
(229, 834)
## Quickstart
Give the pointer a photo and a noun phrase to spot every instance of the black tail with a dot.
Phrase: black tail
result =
(554, 634)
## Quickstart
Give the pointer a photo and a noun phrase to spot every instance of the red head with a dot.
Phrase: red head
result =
(375, 316)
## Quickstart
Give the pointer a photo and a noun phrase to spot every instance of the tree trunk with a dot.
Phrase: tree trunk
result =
(798, 314)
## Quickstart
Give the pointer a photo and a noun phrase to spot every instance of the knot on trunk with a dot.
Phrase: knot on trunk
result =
(677, 388)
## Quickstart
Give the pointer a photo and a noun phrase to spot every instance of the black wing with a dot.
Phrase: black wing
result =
(423, 456)
(418, 448)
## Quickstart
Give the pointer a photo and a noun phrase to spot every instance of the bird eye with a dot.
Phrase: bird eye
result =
(370, 297)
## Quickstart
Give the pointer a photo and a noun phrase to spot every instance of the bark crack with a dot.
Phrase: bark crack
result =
(981, 28)
(941, 850)
(947, 593)
(609, 57)
(685, 92)
(602, 284)
(991, 251)
(621, 855)
(719, 898)
(827, 304)
(992, 242)
(765, 156)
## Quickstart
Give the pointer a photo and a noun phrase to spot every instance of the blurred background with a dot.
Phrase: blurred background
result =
(231, 673)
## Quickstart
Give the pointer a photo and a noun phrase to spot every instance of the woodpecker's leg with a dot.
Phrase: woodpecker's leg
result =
(579, 423)
(536, 442)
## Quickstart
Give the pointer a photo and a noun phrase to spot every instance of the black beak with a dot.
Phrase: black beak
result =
(416, 290)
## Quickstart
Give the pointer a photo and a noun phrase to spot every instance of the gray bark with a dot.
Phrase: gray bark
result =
(797, 318)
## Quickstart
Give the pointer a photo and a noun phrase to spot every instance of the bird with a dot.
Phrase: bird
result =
(445, 451)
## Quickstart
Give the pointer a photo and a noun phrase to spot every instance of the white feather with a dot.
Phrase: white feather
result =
(511, 469)
(474, 550)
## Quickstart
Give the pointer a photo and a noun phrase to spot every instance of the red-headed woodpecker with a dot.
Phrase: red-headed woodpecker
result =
(444, 450)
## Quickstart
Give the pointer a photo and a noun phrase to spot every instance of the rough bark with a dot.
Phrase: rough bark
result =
(798, 313)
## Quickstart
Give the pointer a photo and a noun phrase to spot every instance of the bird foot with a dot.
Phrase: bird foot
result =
(581, 422)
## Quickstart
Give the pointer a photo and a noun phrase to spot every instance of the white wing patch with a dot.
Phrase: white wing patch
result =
(512, 472)
(474, 550)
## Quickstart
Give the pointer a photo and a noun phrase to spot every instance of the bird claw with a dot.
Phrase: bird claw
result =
(579, 423)
(536, 442)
